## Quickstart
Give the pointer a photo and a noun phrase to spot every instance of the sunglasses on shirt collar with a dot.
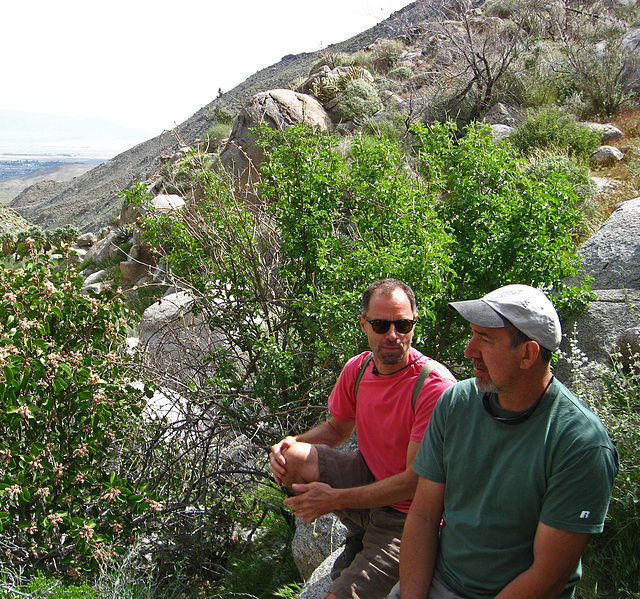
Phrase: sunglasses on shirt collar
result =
(402, 326)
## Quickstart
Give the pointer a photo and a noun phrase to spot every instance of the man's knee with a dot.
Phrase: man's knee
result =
(302, 464)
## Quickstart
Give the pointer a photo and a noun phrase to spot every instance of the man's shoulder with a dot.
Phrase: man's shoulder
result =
(436, 369)
(354, 362)
(575, 415)
(465, 389)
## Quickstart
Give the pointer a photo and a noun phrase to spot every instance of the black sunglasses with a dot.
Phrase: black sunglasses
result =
(403, 326)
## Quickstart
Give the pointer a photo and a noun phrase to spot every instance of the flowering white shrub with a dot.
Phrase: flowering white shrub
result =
(67, 414)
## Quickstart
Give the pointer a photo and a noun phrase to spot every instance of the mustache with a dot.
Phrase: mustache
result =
(478, 363)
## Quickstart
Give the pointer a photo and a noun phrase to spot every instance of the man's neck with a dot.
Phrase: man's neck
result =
(381, 369)
(526, 393)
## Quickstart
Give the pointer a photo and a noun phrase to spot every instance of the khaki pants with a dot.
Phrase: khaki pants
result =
(438, 589)
(375, 569)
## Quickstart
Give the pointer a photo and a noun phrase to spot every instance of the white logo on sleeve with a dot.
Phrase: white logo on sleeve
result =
(584, 515)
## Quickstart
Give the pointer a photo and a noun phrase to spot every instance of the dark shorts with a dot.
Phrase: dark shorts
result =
(375, 570)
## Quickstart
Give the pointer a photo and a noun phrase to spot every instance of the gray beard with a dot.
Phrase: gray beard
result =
(488, 386)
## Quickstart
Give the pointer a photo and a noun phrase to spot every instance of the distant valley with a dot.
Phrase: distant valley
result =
(40, 147)
(19, 172)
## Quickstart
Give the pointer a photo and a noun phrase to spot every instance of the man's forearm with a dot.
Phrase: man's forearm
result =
(531, 586)
(323, 434)
(555, 555)
(380, 493)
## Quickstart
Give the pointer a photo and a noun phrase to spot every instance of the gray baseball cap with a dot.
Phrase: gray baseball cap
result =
(524, 307)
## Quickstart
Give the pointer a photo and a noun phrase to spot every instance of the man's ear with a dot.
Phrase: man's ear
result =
(363, 322)
(530, 352)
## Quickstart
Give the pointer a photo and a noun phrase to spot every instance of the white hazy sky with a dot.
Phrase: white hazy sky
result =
(151, 65)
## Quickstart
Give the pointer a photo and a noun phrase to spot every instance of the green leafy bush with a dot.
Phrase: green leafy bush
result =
(383, 83)
(550, 128)
(569, 171)
(289, 272)
(507, 225)
(219, 131)
(66, 500)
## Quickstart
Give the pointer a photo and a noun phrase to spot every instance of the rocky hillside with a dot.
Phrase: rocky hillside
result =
(92, 201)
(11, 221)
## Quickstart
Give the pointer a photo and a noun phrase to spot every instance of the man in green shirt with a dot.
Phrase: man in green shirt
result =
(514, 471)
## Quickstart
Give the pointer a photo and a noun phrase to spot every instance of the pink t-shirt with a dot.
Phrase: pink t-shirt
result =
(385, 420)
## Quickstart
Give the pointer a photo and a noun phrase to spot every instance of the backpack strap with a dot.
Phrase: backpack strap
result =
(363, 366)
(427, 368)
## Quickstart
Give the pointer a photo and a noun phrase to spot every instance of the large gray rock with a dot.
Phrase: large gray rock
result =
(611, 258)
(166, 203)
(501, 114)
(277, 109)
(591, 338)
(608, 131)
(94, 278)
(631, 53)
(103, 249)
(174, 340)
(612, 255)
(86, 240)
(318, 585)
(606, 156)
(500, 132)
(315, 541)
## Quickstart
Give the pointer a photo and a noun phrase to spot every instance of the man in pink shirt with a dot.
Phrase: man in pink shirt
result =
(385, 395)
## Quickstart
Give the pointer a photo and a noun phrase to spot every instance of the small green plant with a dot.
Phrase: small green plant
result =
(289, 591)
(15, 584)
(121, 577)
(393, 128)
(219, 131)
(357, 101)
(326, 86)
(7, 242)
(382, 83)
(221, 123)
(264, 563)
(141, 297)
(385, 54)
(550, 128)
(401, 73)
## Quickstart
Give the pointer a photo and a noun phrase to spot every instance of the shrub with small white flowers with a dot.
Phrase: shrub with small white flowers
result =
(67, 495)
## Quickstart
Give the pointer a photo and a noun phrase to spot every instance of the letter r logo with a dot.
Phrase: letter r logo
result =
(584, 515)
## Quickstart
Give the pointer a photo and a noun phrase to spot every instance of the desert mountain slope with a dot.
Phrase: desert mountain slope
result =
(92, 201)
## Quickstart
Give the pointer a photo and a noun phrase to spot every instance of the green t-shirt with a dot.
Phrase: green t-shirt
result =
(557, 468)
